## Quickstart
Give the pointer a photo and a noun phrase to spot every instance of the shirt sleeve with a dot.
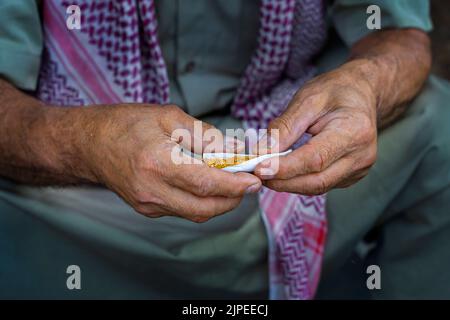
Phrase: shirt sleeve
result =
(21, 42)
(349, 16)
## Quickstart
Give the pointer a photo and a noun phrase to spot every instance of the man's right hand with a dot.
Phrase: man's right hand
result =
(128, 148)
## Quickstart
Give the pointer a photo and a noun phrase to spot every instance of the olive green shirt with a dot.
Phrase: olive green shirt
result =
(206, 44)
(206, 70)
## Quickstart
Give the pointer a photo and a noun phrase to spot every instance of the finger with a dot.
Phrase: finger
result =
(197, 136)
(317, 183)
(284, 131)
(215, 182)
(190, 174)
(152, 211)
(189, 132)
(204, 181)
(353, 179)
(183, 204)
(201, 209)
(315, 156)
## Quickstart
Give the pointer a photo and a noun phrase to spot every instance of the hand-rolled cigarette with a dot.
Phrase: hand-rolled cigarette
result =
(232, 162)
(224, 162)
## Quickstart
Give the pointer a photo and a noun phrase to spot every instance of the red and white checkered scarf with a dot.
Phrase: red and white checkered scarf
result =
(116, 58)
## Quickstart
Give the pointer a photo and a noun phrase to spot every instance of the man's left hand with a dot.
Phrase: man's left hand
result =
(339, 110)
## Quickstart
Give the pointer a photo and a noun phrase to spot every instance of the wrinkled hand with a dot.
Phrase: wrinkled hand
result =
(339, 109)
(130, 152)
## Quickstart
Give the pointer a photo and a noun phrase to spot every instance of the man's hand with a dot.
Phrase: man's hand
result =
(131, 153)
(340, 113)
(342, 109)
(127, 148)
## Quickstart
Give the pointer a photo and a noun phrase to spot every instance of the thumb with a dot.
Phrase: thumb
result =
(286, 129)
(195, 135)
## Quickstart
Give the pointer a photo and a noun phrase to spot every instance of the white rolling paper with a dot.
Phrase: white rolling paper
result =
(247, 166)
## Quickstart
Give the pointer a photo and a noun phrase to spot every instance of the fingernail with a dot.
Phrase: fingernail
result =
(266, 173)
(264, 144)
(253, 188)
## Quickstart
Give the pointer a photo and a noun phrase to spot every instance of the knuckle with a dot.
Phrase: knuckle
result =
(287, 170)
(371, 157)
(205, 187)
(283, 172)
(283, 124)
(368, 159)
(319, 160)
(321, 186)
(145, 197)
(312, 98)
(170, 112)
(172, 109)
(367, 132)
(147, 211)
(145, 161)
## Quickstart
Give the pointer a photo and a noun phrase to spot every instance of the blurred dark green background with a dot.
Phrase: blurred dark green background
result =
(440, 11)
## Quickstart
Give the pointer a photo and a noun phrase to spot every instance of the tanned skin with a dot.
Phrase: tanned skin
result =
(344, 109)
(127, 147)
